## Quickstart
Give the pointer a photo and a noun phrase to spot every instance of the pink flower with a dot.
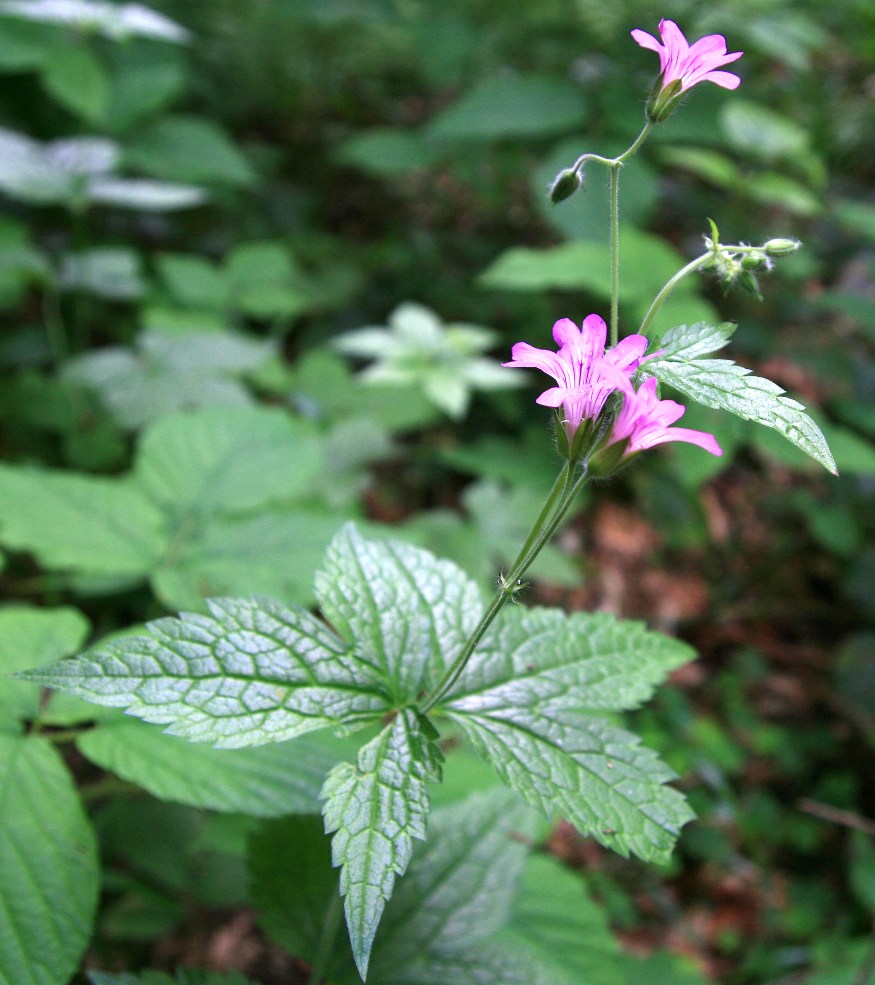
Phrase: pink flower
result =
(690, 64)
(586, 375)
(645, 421)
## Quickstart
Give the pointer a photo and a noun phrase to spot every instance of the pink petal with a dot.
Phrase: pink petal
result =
(554, 397)
(726, 80)
(646, 40)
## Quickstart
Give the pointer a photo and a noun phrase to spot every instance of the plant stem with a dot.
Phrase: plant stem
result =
(662, 297)
(615, 251)
(325, 947)
(560, 498)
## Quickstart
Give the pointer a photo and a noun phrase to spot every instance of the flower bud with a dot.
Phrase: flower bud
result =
(753, 262)
(781, 247)
(747, 280)
(565, 184)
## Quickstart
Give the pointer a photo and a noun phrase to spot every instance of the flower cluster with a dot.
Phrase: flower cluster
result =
(586, 375)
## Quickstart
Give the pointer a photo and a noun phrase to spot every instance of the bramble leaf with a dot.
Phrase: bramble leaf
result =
(248, 673)
(408, 612)
(49, 891)
(724, 385)
(375, 810)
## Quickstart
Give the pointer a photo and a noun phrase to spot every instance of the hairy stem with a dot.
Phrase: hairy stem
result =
(663, 295)
(560, 498)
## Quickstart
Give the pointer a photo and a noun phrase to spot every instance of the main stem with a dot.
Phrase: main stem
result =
(560, 498)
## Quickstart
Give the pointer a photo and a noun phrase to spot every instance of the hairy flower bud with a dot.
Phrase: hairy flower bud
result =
(781, 247)
(747, 280)
(565, 184)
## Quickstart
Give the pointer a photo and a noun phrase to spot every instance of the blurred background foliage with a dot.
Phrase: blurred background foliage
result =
(201, 205)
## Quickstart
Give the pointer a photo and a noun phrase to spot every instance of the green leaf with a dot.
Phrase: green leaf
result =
(109, 272)
(375, 809)
(722, 384)
(250, 672)
(49, 889)
(31, 637)
(761, 132)
(184, 976)
(512, 106)
(86, 523)
(294, 887)
(527, 704)
(266, 781)
(409, 613)
(193, 280)
(556, 924)
(77, 80)
(388, 152)
(114, 21)
(189, 149)
(456, 896)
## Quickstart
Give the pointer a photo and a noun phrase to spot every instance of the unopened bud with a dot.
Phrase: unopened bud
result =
(753, 262)
(565, 184)
(747, 280)
(781, 247)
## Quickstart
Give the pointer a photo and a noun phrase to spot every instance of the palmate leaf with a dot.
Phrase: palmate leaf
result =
(531, 705)
(724, 385)
(248, 673)
(375, 809)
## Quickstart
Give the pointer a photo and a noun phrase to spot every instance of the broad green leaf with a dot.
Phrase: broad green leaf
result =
(388, 152)
(265, 282)
(294, 887)
(249, 673)
(188, 149)
(116, 21)
(86, 523)
(223, 460)
(109, 272)
(456, 896)
(193, 280)
(722, 384)
(31, 637)
(585, 662)
(266, 781)
(512, 106)
(375, 809)
(556, 924)
(49, 889)
(77, 80)
(761, 132)
(581, 768)
(409, 613)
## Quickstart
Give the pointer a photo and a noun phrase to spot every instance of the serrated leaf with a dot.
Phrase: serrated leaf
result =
(30, 637)
(249, 673)
(375, 809)
(49, 891)
(266, 781)
(409, 613)
(722, 384)
(581, 768)
(587, 662)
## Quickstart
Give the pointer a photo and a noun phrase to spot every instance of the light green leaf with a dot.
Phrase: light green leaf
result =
(188, 149)
(109, 272)
(49, 890)
(586, 662)
(579, 767)
(388, 152)
(31, 637)
(144, 195)
(77, 80)
(86, 523)
(224, 460)
(249, 673)
(722, 384)
(112, 20)
(512, 106)
(193, 280)
(375, 809)
(761, 132)
(409, 613)
(266, 781)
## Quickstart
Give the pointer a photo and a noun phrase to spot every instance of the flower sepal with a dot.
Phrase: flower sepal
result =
(608, 460)
(663, 100)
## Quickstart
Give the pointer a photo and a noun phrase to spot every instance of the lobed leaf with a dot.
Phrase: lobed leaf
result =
(722, 384)
(375, 810)
(408, 612)
(248, 673)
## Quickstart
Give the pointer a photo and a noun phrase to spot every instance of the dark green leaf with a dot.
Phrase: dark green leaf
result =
(48, 888)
